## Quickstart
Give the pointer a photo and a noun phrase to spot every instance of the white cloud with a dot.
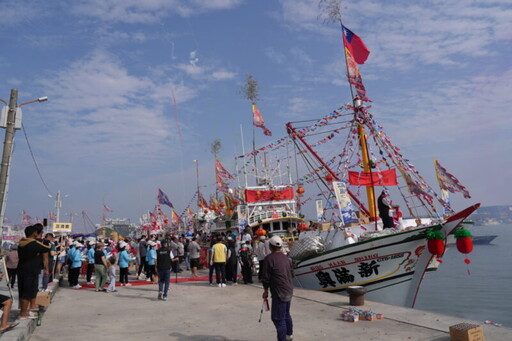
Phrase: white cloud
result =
(207, 73)
(17, 12)
(109, 36)
(472, 107)
(100, 114)
(413, 32)
(275, 56)
(147, 11)
(222, 75)
(193, 70)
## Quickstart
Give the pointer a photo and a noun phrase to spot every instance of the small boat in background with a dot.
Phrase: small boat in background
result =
(480, 240)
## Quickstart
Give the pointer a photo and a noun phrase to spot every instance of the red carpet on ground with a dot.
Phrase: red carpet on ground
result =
(144, 282)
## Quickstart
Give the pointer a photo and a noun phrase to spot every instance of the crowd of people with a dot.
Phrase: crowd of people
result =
(37, 260)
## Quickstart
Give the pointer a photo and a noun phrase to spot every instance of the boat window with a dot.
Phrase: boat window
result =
(266, 226)
(286, 225)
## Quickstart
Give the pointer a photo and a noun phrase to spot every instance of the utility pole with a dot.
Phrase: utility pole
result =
(10, 127)
(7, 152)
(197, 183)
(58, 205)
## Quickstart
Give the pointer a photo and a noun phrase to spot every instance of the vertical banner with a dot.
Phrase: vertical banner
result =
(347, 211)
(241, 211)
(319, 210)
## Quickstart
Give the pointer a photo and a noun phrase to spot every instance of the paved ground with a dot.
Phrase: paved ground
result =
(197, 311)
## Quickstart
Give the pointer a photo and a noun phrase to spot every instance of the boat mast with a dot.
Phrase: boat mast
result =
(370, 190)
(357, 103)
(243, 153)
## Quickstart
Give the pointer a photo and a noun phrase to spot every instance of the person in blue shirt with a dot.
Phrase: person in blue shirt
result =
(123, 261)
(150, 258)
(75, 257)
(90, 258)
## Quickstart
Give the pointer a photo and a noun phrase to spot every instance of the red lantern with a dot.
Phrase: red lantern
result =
(260, 232)
(166, 221)
(205, 211)
(465, 245)
(436, 246)
(222, 205)
(302, 227)
(300, 190)
(435, 243)
(153, 223)
(235, 202)
(464, 242)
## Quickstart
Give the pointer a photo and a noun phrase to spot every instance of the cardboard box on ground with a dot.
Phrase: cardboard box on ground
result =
(466, 332)
(43, 298)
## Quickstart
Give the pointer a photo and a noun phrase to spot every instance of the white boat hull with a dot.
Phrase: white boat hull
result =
(391, 267)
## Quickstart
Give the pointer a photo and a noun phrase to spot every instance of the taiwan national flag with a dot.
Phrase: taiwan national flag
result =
(355, 45)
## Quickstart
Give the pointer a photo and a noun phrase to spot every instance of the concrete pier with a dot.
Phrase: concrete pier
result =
(197, 311)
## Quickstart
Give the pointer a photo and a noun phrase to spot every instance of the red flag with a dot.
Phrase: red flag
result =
(355, 45)
(449, 182)
(354, 77)
(221, 171)
(221, 185)
(382, 178)
(107, 209)
(257, 120)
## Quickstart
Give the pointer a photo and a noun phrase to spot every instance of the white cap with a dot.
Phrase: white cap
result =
(276, 241)
(77, 243)
(151, 243)
(262, 238)
(122, 244)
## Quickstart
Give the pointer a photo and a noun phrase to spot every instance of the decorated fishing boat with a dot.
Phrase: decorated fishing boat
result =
(270, 208)
(368, 243)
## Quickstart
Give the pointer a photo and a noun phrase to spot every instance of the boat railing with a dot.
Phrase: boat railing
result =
(267, 215)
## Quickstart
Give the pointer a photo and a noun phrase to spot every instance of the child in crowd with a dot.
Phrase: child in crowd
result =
(112, 274)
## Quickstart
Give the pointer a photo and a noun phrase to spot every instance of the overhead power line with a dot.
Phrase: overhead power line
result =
(34, 159)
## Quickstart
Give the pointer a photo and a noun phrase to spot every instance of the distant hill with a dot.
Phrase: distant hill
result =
(492, 215)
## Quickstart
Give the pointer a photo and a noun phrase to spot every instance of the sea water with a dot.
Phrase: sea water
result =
(479, 291)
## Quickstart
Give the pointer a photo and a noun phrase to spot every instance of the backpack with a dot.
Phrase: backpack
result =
(245, 255)
(69, 261)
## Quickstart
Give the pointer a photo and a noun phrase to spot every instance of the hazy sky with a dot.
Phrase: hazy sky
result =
(439, 75)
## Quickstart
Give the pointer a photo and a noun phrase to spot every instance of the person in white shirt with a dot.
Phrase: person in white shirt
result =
(261, 253)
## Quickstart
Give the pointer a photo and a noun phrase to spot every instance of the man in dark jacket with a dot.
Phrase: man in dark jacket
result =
(164, 259)
(142, 254)
(31, 260)
(384, 205)
(277, 275)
